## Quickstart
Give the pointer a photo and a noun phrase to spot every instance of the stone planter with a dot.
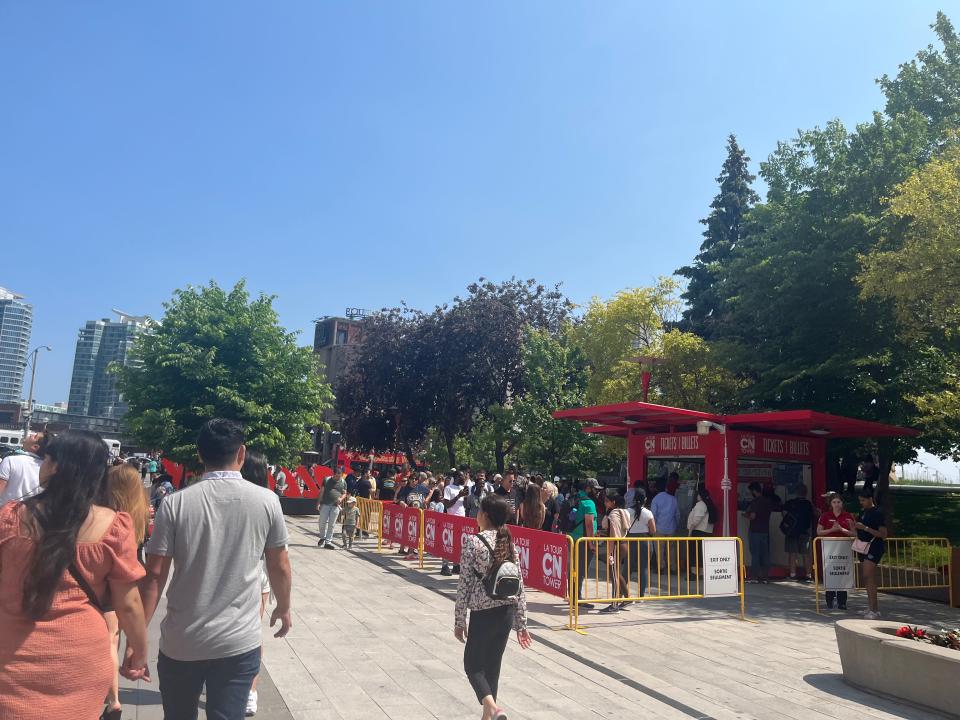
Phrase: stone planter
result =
(875, 659)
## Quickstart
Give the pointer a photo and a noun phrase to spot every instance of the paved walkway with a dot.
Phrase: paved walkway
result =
(141, 700)
(372, 639)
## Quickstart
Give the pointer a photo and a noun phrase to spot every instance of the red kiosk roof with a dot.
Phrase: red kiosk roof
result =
(620, 419)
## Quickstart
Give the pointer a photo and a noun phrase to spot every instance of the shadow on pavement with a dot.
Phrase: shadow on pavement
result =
(834, 684)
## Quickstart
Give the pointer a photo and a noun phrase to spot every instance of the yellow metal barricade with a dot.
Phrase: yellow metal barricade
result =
(371, 518)
(907, 564)
(666, 568)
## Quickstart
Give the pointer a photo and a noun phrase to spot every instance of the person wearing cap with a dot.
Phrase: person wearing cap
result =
(350, 517)
(584, 519)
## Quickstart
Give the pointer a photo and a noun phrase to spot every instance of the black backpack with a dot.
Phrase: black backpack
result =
(567, 517)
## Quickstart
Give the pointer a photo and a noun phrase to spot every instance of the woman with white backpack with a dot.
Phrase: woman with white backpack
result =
(491, 588)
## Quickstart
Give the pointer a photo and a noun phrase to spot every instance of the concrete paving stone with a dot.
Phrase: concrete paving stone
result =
(376, 645)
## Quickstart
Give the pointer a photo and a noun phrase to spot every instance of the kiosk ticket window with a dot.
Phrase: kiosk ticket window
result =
(691, 472)
(784, 479)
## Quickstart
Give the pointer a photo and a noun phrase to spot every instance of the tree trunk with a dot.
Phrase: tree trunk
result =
(451, 451)
(500, 455)
(411, 458)
(883, 494)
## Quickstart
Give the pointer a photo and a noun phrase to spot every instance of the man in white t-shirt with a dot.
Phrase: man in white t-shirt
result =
(20, 474)
(453, 494)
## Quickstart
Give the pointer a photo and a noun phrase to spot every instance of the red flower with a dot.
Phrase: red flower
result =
(905, 632)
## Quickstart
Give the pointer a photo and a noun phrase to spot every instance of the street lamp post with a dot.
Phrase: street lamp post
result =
(726, 485)
(33, 377)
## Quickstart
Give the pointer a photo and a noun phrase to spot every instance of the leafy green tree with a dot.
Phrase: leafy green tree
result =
(556, 376)
(385, 399)
(219, 354)
(795, 325)
(725, 229)
(916, 269)
(685, 370)
(916, 266)
(449, 370)
(611, 333)
(479, 354)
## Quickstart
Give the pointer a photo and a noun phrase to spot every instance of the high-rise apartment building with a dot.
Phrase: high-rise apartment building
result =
(101, 343)
(16, 321)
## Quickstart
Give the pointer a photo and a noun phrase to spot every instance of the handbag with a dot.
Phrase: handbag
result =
(861, 546)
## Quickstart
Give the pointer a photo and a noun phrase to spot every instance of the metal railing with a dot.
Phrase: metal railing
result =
(371, 514)
(666, 568)
(907, 564)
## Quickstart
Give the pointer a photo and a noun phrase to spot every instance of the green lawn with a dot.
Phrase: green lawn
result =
(921, 515)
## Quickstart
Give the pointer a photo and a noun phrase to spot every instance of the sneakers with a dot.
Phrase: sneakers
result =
(871, 615)
(499, 715)
(624, 606)
(586, 606)
(329, 546)
(251, 704)
(610, 609)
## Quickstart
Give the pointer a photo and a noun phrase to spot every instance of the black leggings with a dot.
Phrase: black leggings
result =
(486, 640)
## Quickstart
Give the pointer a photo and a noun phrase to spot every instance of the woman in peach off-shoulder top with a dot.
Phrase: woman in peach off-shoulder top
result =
(54, 645)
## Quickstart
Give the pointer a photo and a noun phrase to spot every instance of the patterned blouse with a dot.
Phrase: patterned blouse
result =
(470, 593)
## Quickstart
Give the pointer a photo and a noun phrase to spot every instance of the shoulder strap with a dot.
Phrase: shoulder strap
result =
(85, 586)
(486, 542)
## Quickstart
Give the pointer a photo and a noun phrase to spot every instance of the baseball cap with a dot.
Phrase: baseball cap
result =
(593, 482)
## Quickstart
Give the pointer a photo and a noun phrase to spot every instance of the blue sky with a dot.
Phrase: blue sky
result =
(362, 153)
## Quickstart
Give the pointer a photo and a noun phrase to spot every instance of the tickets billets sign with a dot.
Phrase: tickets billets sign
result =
(721, 568)
(837, 564)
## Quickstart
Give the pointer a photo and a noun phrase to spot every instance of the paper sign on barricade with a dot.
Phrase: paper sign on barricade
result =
(544, 559)
(721, 568)
(837, 564)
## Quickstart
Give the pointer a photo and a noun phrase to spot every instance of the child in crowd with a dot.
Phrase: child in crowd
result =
(350, 516)
(435, 499)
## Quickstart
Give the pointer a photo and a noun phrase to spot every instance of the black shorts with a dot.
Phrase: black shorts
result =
(874, 556)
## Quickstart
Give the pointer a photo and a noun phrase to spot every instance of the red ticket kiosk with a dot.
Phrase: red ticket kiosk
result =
(726, 453)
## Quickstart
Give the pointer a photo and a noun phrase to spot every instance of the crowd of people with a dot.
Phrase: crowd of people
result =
(585, 508)
(83, 534)
(71, 578)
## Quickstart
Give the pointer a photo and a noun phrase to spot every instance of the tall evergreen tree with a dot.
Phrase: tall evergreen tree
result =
(725, 228)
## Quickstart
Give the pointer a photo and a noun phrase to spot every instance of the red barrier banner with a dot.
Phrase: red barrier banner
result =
(544, 559)
(401, 525)
(443, 534)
